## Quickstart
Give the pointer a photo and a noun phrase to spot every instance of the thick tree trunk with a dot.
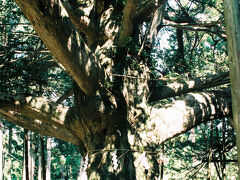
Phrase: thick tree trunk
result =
(232, 19)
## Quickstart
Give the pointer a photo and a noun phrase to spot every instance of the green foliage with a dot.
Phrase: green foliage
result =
(204, 52)
(66, 161)
(188, 154)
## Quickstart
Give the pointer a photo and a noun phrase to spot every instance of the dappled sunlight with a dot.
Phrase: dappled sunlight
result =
(179, 117)
(167, 120)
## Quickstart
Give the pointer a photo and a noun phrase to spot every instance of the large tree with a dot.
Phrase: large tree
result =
(118, 120)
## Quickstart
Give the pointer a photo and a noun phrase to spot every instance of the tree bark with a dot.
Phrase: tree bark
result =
(232, 20)
(43, 161)
(1, 149)
(40, 175)
(9, 161)
(31, 149)
(25, 156)
(48, 169)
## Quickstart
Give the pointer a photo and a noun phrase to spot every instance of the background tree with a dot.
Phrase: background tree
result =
(119, 114)
(233, 32)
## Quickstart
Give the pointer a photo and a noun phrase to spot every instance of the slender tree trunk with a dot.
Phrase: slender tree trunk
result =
(25, 156)
(43, 162)
(223, 163)
(232, 19)
(9, 161)
(63, 171)
(40, 176)
(181, 64)
(31, 159)
(162, 163)
(82, 174)
(48, 171)
(1, 150)
(29, 155)
(209, 172)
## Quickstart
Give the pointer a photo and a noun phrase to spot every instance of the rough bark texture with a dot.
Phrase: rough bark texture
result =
(231, 10)
(1, 150)
(117, 120)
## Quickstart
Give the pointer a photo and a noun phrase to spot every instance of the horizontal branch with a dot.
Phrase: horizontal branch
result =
(220, 161)
(38, 126)
(200, 24)
(182, 115)
(36, 114)
(205, 27)
(178, 88)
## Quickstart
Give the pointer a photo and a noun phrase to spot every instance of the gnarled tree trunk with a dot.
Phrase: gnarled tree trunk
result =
(117, 120)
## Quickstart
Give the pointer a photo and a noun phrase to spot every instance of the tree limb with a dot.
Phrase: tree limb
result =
(65, 96)
(146, 9)
(156, 22)
(82, 23)
(38, 126)
(179, 88)
(182, 115)
(127, 22)
(211, 27)
(64, 42)
(36, 114)
(34, 107)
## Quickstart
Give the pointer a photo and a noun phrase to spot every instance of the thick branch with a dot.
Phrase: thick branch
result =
(194, 109)
(36, 114)
(146, 9)
(38, 126)
(82, 23)
(156, 22)
(52, 25)
(127, 22)
(179, 88)
(66, 95)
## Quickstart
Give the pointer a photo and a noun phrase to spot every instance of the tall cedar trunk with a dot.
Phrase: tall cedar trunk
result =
(232, 20)
(43, 161)
(48, 170)
(9, 161)
(1, 149)
(40, 175)
(180, 63)
(25, 156)
(162, 162)
(223, 163)
(29, 155)
(210, 154)
(31, 149)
